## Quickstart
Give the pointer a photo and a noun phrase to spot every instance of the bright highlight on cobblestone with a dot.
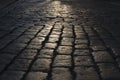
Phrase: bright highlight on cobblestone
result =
(59, 40)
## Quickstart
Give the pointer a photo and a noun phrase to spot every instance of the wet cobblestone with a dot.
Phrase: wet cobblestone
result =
(59, 40)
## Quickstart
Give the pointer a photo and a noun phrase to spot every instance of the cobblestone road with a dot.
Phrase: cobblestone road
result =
(60, 40)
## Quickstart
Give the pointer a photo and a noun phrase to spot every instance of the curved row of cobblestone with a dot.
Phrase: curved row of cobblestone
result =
(58, 40)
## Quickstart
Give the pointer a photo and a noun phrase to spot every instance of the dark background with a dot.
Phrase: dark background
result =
(4, 3)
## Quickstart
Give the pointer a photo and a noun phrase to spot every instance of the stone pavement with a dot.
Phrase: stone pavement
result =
(60, 40)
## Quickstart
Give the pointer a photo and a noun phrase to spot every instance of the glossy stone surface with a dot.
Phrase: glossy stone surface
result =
(60, 40)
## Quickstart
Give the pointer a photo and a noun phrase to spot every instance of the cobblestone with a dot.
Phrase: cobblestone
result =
(6, 58)
(59, 40)
(41, 65)
(61, 73)
(82, 52)
(109, 71)
(86, 73)
(28, 54)
(46, 53)
(102, 56)
(20, 65)
(65, 50)
(83, 61)
(12, 75)
(36, 76)
(62, 62)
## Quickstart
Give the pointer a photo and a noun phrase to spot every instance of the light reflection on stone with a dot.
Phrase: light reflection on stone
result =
(56, 9)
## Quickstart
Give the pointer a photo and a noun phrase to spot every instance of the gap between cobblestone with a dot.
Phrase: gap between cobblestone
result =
(19, 53)
(92, 57)
(35, 58)
(108, 48)
(72, 55)
(15, 38)
(55, 53)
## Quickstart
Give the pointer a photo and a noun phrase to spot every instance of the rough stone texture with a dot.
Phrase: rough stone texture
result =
(102, 56)
(50, 45)
(60, 40)
(64, 50)
(83, 61)
(36, 76)
(81, 46)
(98, 48)
(28, 53)
(62, 62)
(81, 52)
(46, 53)
(12, 75)
(20, 64)
(41, 65)
(61, 73)
(86, 73)
(109, 71)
